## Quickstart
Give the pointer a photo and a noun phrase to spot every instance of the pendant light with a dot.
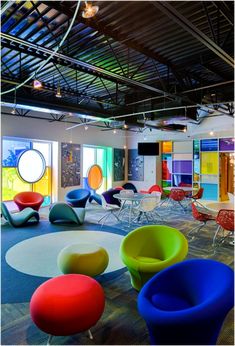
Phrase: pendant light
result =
(90, 10)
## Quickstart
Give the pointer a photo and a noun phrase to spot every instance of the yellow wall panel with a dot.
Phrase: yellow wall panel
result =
(167, 147)
(209, 163)
(43, 186)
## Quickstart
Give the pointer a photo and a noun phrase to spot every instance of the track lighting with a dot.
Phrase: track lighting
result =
(90, 10)
(37, 84)
(58, 91)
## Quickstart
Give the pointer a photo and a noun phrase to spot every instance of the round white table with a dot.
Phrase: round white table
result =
(216, 206)
(136, 197)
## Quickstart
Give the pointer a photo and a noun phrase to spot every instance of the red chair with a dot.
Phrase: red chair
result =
(200, 216)
(225, 220)
(177, 195)
(28, 199)
(118, 188)
(198, 195)
(153, 188)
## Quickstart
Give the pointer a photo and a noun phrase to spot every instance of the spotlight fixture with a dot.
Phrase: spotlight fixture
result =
(124, 146)
(58, 91)
(185, 129)
(211, 133)
(125, 126)
(37, 84)
(13, 111)
(85, 127)
(90, 10)
(114, 131)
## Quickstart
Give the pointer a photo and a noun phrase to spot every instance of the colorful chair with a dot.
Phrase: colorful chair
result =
(225, 220)
(67, 304)
(129, 186)
(28, 215)
(147, 207)
(28, 199)
(203, 217)
(149, 249)
(153, 188)
(198, 195)
(78, 197)
(186, 303)
(177, 195)
(62, 212)
(109, 208)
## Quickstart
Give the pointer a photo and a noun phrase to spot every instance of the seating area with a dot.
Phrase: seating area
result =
(117, 172)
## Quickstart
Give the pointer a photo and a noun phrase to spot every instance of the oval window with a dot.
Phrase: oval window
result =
(31, 165)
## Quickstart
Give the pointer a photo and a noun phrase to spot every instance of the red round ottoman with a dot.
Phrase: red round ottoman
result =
(67, 304)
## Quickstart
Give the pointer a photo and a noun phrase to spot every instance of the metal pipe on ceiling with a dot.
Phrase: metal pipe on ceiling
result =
(84, 65)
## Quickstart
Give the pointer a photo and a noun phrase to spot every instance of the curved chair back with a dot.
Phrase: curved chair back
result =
(148, 204)
(6, 214)
(127, 193)
(197, 214)
(199, 194)
(108, 196)
(192, 310)
(129, 186)
(63, 212)
(156, 188)
(177, 194)
(225, 219)
(78, 197)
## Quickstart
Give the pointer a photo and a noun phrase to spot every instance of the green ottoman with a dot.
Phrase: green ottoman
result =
(83, 258)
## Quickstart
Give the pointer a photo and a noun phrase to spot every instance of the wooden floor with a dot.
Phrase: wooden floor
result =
(119, 325)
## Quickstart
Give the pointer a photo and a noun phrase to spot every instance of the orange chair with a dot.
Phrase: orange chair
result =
(153, 188)
(225, 220)
(28, 199)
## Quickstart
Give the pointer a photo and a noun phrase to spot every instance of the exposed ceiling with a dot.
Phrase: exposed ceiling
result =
(131, 60)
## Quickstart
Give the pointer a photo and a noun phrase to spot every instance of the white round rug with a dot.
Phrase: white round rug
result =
(38, 255)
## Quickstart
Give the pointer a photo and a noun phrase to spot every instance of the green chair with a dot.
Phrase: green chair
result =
(149, 249)
(20, 219)
(62, 212)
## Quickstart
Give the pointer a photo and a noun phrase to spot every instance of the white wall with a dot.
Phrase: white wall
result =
(55, 131)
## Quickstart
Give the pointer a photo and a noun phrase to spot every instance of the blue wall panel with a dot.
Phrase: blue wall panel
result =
(210, 191)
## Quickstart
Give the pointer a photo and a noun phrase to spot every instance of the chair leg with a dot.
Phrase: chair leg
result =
(90, 335)
(197, 228)
(49, 339)
(113, 213)
(216, 233)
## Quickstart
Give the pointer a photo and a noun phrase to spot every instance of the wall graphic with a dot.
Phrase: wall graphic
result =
(135, 165)
(118, 164)
(70, 164)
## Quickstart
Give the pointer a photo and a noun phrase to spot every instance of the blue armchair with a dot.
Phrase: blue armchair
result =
(187, 303)
(78, 197)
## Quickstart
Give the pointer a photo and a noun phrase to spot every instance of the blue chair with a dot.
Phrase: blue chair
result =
(62, 212)
(20, 219)
(187, 303)
(129, 186)
(96, 197)
(78, 198)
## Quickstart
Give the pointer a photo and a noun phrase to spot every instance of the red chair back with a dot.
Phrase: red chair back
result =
(155, 188)
(198, 215)
(199, 194)
(225, 219)
(177, 194)
(118, 188)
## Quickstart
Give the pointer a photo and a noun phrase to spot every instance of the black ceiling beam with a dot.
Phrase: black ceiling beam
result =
(15, 43)
(177, 17)
(224, 10)
(119, 37)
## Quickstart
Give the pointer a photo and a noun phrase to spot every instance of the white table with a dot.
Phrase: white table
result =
(132, 199)
(217, 206)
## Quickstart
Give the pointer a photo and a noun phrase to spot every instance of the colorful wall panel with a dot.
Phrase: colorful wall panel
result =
(226, 144)
(182, 167)
(210, 191)
(209, 163)
(209, 144)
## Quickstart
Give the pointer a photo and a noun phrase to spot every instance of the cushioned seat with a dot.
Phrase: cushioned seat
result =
(186, 303)
(67, 304)
(28, 199)
(20, 219)
(149, 249)
(78, 198)
(62, 212)
(83, 258)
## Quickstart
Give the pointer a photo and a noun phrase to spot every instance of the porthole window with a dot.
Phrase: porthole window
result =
(31, 165)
